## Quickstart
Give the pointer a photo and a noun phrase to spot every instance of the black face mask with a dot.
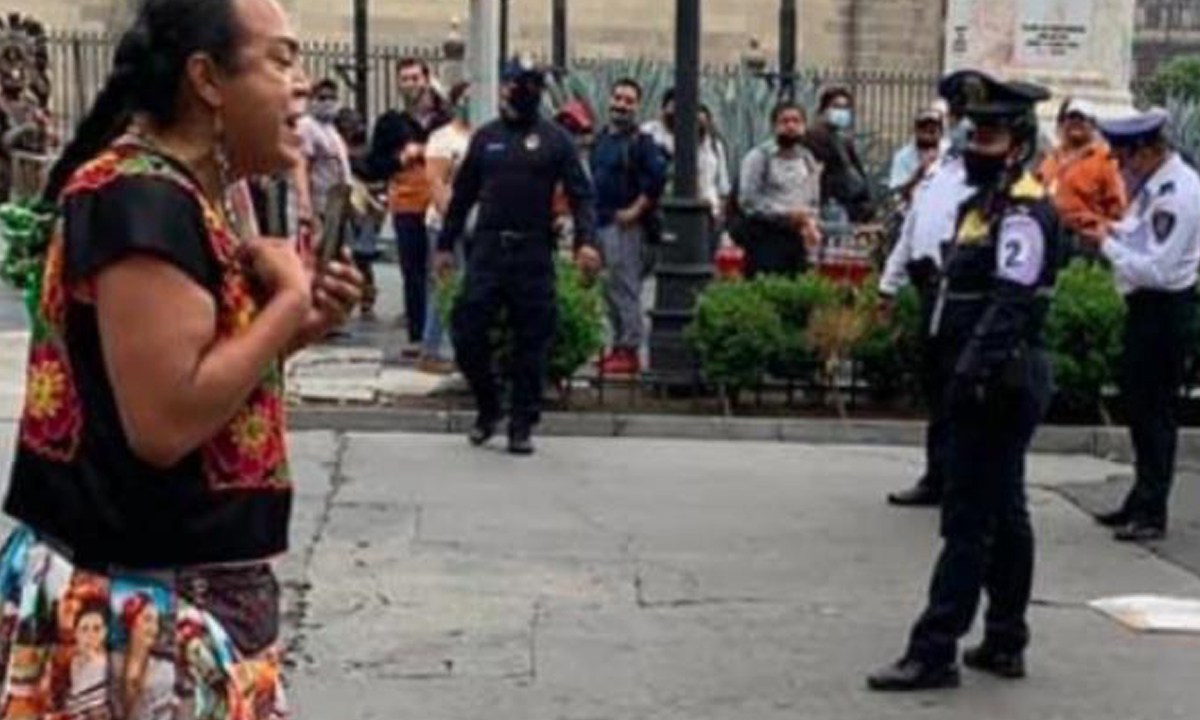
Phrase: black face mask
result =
(787, 142)
(984, 170)
(524, 102)
(621, 118)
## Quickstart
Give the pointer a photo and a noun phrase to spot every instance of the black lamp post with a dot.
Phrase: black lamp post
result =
(361, 97)
(787, 49)
(503, 31)
(684, 266)
(558, 26)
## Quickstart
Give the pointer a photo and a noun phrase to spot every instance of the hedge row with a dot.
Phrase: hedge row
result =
(789, 329)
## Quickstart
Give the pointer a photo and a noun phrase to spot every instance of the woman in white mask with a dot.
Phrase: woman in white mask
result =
(844, 180)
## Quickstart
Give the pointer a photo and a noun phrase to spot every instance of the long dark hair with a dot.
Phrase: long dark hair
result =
(147, 70)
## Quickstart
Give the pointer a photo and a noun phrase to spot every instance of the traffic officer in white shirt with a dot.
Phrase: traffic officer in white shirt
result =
(929, 224)
(1154, 252)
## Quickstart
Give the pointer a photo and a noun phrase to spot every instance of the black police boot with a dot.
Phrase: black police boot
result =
(923, 494)
(909, 675)
(1138, 531)
(1114, 519)
(988, 659)
(484, 430)
(520, 441)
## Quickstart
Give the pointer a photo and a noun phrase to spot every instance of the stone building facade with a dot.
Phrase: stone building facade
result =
(863, 34)
(869, 34)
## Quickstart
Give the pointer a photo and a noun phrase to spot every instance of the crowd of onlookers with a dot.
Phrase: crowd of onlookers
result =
(772, 204)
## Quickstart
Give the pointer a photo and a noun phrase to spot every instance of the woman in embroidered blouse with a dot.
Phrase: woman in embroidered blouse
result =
(152, 443)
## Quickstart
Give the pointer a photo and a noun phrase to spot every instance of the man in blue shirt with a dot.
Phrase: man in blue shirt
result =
(629, 172)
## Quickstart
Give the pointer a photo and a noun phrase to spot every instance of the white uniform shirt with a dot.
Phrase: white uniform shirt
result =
(930, 222)
(1157, 245)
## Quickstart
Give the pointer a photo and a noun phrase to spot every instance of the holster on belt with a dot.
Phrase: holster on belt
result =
(923, 274)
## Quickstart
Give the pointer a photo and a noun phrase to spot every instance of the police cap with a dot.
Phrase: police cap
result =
(1135, 130)
(1002, 103)
(959, 87)
(523, 70)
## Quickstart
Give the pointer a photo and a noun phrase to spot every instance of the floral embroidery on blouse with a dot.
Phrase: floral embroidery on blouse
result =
(250, 452)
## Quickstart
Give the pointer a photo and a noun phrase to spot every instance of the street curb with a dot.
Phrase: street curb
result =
(1108, 443)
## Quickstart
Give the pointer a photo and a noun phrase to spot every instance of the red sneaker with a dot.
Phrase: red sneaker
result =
(604, 359)
(622, 363)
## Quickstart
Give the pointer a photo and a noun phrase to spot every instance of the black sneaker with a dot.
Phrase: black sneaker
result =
(920, 495)
(483, 431)
(1010, 666)
(1138, 532)
(1115, 519)
(910, 675)
(520, 441)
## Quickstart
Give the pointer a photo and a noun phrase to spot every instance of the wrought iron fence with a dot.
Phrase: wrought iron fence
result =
(887, 100)
(80, 63)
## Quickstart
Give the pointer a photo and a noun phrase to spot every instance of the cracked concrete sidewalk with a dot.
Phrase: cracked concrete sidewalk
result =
(671, 579)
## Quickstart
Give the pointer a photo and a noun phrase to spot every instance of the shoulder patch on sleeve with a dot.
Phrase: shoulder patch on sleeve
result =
(1021, 250)
(1163, 222)
(1167, 188)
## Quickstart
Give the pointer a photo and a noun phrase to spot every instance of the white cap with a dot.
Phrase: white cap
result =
(1081, 107)
(933, 112)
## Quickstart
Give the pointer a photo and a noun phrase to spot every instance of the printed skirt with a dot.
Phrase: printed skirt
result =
(195, 644)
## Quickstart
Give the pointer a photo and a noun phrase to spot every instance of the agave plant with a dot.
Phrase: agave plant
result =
(740, 100)
(1185, 127)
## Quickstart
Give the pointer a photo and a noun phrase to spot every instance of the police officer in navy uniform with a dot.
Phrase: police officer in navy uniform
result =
(999, 272)
(1154, 252)
(916, 258)
(511, 170)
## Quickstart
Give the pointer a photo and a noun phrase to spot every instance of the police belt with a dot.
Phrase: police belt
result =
(514, 240)
(945, 295)
(1043, 293)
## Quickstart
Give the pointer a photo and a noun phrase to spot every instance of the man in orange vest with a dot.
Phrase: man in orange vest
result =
(398, 154)
(1081, 174)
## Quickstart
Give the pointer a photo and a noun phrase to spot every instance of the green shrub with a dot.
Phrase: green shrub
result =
(795, 300)
(736, 333)
(1179, 79)
(1083, 334)
(579, 333)
(889, 353)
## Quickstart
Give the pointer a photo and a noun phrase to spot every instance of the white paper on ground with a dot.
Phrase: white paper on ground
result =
(1152, 613)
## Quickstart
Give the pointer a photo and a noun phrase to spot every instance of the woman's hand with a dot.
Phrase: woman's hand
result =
(337, 289)
(278, 267)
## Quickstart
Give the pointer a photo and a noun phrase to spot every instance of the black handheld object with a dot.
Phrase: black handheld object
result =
(337, 222)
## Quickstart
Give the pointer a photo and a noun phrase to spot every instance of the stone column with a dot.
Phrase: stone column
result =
(1077, 48)
(483, 60)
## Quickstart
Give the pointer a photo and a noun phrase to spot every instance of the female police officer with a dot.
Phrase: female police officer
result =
(999, 271)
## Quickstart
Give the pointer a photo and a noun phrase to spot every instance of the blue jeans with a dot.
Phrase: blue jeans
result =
(435, 342)
(412, 241)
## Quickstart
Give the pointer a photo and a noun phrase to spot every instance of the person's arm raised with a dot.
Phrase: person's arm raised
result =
(175, 383)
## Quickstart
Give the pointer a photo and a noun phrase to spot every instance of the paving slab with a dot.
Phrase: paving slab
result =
(624, 578)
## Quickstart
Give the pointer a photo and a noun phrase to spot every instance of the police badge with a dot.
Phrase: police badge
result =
(1163, 222)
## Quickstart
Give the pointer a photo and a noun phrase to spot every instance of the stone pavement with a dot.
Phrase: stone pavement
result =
(672, 579)
(660, 579)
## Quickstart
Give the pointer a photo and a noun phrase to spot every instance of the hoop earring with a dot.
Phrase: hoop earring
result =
(221, 154)
(235, 220)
